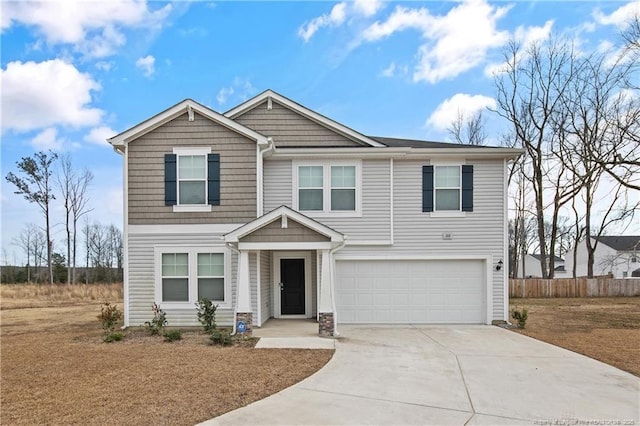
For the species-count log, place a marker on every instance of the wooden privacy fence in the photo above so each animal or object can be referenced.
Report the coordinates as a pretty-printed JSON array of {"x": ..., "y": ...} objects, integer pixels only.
[{"x": 573, "y": 287}]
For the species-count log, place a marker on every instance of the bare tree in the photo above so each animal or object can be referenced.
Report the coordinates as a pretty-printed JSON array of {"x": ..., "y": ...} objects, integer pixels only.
[
  {"x": 35, "y": 186},
  {"x": 73, "y": 188},
  {"x": 27, "y": 241},
  {"x": 528, "y": 93},
  {"x": 468, "y": 130}
]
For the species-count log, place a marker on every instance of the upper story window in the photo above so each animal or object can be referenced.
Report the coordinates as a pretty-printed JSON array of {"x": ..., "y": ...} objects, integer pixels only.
[
  {"x": 447, "y": 189},
  {"x": 192, "y": 179},
  {"x": 327, "y": 188}
]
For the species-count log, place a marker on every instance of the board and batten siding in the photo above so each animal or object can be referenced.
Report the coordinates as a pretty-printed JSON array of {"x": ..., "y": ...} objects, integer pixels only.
[
  {"x": 142, "y": 277},
  {"x": 288, "y": 128},
  {"x": 146, "y": 172},
  {"x": 376, "y": 207}
]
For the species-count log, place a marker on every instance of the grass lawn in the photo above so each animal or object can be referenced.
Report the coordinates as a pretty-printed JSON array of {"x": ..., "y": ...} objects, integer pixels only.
[
  {"x": 603, "y": 328},
  {"x": 56, "y": 369}
]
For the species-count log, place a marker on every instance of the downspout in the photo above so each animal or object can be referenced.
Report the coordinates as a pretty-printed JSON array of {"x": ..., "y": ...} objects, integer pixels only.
[
  {"x": 260, "y": 175},
  {"x": 333, "y": 293}
]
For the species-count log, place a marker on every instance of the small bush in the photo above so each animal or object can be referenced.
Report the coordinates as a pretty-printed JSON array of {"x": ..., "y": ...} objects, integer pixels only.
[
  {"x": 113, "y": 337},
  {"x": 221, "y": 337},
  {"x": 109, "y": 317},
  {"x": 172, "y": 335},
  {"x": 158, "y": 322},
  {"x": 520, "y": 316},
  {"x": 207, "y": 314}
]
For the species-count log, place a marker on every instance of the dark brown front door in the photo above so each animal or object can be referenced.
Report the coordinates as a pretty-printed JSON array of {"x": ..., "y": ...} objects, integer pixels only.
[{"x": 292, "y": 288}]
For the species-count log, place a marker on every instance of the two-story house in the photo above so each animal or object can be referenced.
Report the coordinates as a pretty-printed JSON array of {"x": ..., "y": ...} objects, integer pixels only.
[
  {"x": 273, "y": 210},
  {"x": 615, "y": 255}
]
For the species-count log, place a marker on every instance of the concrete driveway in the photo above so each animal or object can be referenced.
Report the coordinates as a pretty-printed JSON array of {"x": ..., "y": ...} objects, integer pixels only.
[{"x": 450, "y": 375}]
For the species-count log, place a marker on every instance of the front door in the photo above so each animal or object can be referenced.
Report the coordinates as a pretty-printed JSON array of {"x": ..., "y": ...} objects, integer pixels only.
[{"x": 292, "y": 300}]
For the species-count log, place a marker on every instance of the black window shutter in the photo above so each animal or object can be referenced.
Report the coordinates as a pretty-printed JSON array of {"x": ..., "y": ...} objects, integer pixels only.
[
  {"x": 213, "y": 195},
  {"x": 467, "y": 188},
  {"x": 170, "y": 180},
  {"x": 427, "y": 188}
]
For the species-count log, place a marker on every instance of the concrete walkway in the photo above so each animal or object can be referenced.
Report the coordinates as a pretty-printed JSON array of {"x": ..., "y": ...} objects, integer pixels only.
[{"x": 450, "y": 375}]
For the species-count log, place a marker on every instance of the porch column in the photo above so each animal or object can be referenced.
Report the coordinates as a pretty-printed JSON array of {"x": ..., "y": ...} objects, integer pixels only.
[
  {"x": 325, "y": 308},
  {"x": 243, "y": 303}
]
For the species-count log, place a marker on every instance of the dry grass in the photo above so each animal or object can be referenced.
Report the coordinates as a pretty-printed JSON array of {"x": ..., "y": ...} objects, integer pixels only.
[
  {"x": 605, "y": 328},
  {"x": 17, "y": 296},
  {"x": 56, "y": 370}
]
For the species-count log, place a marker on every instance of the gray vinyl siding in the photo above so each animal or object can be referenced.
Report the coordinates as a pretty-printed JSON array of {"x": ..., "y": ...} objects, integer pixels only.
[
  {"x": 146, "y": 172},
  {"x": 478, "y": 233},
  {"x": 142, "y": 278},
  {"x": 376, "y": 207},
  {"x": 265, "y": 285},
  {"x": 288, "y": 128}
]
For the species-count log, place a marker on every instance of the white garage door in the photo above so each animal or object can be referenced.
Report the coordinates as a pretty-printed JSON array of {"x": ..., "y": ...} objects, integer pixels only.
[{"x": 410, "y": 291}]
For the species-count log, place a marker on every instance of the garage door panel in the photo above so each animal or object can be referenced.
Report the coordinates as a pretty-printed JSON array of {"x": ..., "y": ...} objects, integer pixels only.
[{"x": 410, "y": 291}]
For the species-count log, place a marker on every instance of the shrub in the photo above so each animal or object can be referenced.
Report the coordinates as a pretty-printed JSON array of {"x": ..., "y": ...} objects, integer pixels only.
[
  {"x": 172, "y": 335},
  {"x": 520, "y": 316},
  {"x": 109, "y": 317},
  {"x": 207, "y": 314},
  {"x": 113, "y": 337},
  {"x": 157, "y": 323},
  {"x": 221, "y": 337}
]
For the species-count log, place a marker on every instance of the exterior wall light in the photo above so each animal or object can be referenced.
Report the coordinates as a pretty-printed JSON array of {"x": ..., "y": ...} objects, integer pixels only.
[{"x": 499, "y": 265}]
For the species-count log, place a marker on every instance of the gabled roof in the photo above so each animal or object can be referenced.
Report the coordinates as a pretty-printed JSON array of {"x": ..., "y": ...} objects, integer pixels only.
[
  {"x": 621, "y": 242},
  {"x": 187, "y": 106},
  {"x": 254, "y": 225},
  {"x": 304, "y": 111},
  {"x": 555, "y": 258}
]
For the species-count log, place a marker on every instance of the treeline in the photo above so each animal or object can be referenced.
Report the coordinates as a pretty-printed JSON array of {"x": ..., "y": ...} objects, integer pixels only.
[{"x": 89, "y": 252}]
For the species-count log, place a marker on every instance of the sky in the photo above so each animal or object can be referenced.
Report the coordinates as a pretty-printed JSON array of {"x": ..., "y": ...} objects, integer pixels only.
[{"x": 74, "y": 73}]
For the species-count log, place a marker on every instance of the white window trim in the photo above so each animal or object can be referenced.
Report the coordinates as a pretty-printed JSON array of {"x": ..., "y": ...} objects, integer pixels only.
[
  {"x": 180, "y": 151},
  {"x": 447, "y": 213},
  {"x": 192, "y": 252},
  {"x": 326, "y": 190}
]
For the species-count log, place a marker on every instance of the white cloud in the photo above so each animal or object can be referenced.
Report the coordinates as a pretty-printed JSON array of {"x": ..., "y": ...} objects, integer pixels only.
[
  {"x": 146, "y": 65},
  {"x": 525, "y": 36},
  {"x": 93, "y": 27},
  {"x": 36, "y": 95},
  {"x": 450, "y": 48},
  {"x": 619, "y": 17},
  {"x": 334, "y": 18},
  {"x": 224, "y": 94},
  {"x": 99, "y": 135},
  {"x": 367, "y": 7},
  {"x": 104, "y": 65},
  {"x": 390, "y": 70},
  {"x": 48, "y": 139},
  {"x": 462, "y": 103},
  {"x": 241, "y": 89}
]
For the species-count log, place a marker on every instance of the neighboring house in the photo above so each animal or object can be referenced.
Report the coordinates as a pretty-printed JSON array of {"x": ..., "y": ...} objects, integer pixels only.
[
  {"x": 273, "y": 210},
  {"x": 617, "y": 255},
  {"x": 529, "y": 267}
]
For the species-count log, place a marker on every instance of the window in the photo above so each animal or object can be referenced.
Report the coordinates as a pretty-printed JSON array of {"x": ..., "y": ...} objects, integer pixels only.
[
  {"x": 186, "y": 275},
  {"x": 327, "y": 188},
  {"x": 211, "y": 276},
  {"x": 192, "y": 179},
  {"x": 310, "y": 188},
  {"x": 634, "y": 258},
  {"x": 447, "y": 188},
  {"x": 343, "y": 188},
  {"x": 625, "y": 274}
]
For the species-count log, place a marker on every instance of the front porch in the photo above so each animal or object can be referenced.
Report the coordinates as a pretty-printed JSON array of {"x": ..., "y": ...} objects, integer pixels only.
[
  {"x": 285, "y": 270},
  {"x": 292, "y": 334}
]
